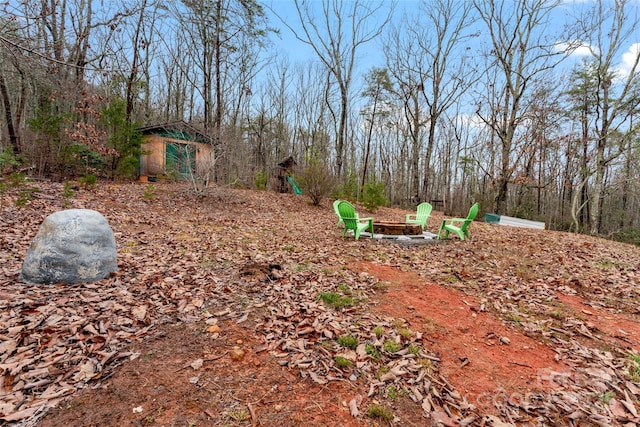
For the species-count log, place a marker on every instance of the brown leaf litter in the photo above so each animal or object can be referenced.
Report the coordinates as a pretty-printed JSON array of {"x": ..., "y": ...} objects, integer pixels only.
[{"x": 220, "y": 314}]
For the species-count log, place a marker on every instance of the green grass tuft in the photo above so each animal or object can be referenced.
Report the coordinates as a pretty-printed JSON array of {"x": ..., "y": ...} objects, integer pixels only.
[
  {"x": 336, "y": 300},
  {"x": 379, "y": 411},
  {"x": 348, "y": 341}
]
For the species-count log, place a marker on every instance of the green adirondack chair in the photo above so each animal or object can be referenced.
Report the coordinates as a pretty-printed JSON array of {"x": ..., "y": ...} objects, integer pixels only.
[
  {"x": 335, "y": 208},
  {"x": 352, "y": 221},
  {"x": 458, "y": 226},
  {"x": 423, "y": 212}
]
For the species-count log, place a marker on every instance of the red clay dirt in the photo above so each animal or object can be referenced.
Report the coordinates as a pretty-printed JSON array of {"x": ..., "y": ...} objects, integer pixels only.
[
  {"x": 161, "y": 387},
  {"x": 480, "y": 356}
]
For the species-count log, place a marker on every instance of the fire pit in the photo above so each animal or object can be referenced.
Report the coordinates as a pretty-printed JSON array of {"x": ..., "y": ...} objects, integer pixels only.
[{"x": 393, "y": 228}]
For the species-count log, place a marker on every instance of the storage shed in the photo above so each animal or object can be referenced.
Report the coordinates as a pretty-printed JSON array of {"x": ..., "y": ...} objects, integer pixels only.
[{"x": 176, "y": 149}]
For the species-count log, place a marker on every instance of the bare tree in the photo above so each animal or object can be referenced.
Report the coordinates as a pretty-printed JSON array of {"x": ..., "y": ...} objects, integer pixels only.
[
  {"x": 218, "y": 33},
  {"x": 581, "y": 99},
  {"x": 344, "y": 27},
  {"x": 407, "y": 66},
  {"x": 377, "y": 89},
  {"x": 606, "y": 29},
  {"x": 11, "y": 71},
  {"x": 521, "y": 48},
  {"x": 450, "y": 70}
]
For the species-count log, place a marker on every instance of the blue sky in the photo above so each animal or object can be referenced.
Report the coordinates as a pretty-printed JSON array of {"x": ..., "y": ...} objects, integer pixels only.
[
  {"x": 371, "y": 54},
  {"x": 298, "y": 51}
]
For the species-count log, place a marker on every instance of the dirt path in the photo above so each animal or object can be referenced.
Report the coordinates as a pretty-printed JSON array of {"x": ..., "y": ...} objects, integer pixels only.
[{"x": 480, "y": 355}]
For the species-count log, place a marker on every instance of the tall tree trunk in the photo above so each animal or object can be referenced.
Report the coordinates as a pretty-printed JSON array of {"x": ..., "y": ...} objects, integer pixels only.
[
  {"x": 342, "y": 128},
  {"x": 134, "y": 64},
  {"x": 218, "y": 72},
  {"x": 8, "y": 115},
  {"x": 415, "y": 150},
  {"x": 367, "y": 149}
]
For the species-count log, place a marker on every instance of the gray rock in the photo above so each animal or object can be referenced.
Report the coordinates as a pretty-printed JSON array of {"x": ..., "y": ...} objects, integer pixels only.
[{"x": 72, "y": 246}]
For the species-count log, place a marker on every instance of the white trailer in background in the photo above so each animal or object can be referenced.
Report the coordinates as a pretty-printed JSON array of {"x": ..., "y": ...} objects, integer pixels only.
[{"x": 513, "y": 222}]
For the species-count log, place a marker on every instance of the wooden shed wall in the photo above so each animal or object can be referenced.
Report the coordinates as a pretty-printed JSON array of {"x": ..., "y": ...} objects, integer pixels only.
[
  {"x": 152, "y": 161},
  {"x": 154, "y": 147}
]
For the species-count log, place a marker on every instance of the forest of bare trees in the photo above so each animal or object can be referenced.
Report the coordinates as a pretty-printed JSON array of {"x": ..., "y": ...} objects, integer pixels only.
[{"x": 530, "y": 107}]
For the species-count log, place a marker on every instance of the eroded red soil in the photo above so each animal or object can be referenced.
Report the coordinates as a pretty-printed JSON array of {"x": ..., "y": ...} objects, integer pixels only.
[{"x": 480, "y": 355}]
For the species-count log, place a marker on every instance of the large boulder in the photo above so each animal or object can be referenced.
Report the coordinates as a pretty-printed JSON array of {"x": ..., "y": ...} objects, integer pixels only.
[{"x": 72, "y": 246}]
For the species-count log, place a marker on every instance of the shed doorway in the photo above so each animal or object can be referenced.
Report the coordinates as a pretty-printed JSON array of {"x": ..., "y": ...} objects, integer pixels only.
[{"x": 181, "y": 159}]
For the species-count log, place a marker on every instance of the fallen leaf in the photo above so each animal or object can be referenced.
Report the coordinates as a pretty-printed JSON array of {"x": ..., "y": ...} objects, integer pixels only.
[
  {"x": 617, "y": 409},
  {"x": 354, "y": 404},
  {"x": 139, "y": 312}
]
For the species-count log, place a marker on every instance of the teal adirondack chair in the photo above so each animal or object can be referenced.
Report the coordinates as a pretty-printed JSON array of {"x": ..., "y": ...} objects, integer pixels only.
[
  {"x": 352, "y": 221},
  {"x": 458, "y": 226},
  {"x": 423, "y": 212}
]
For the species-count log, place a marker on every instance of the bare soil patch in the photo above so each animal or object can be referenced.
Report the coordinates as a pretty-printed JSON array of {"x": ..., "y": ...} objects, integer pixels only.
[
  {"x": 480, "y": 355},
  {"x": 183, "y": 376}
]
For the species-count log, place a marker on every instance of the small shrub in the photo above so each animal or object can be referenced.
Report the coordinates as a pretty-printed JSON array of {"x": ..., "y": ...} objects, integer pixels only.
[
  {"x": 25, "y": 196},
  {"x": 514, "y": 318},
  {"x": 67, "y": 194},
  {"x": 128, "y": 167},
  {"x": 345, "y": 289},
  {"x": 16, "y": 179},
  {"x": 8, "y": 159},
  {"x": 378, "y": 331},
  {"x": 237, "y": 414},
  {"x": 634, "y": 368},
  {"x": 67, "y": 191},
  {"x": 631, "y": 235},
  {"x": 316, "y": 180},
  {"x": 348, "y": 341},
  {"x": 405, "y": 333},
  {"x": 260, "y": 180},
  {"x": 88, "y": 181},
  {"x": 392, "y": 393},
  {"x": 414, "y": 349},
  {"x": 348, "y": 189},
  {"x": 606, "y": 397},
  {"x": 373, "y": 195},
  {"x": 149, "y": 193}
]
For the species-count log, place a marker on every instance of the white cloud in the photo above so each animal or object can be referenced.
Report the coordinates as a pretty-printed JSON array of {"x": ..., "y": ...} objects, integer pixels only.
[
  {"x": 629, "y": 58},
  {"x": 577, "y": 48}
]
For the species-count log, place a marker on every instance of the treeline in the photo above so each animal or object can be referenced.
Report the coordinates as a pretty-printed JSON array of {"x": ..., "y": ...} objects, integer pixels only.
[{"x": 528, "y": 107}]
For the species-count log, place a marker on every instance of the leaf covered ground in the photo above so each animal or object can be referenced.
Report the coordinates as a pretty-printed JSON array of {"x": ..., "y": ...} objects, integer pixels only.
[{"x": 249, "y": 308}]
